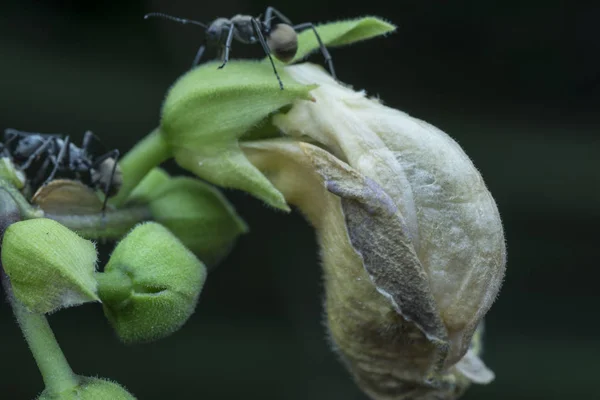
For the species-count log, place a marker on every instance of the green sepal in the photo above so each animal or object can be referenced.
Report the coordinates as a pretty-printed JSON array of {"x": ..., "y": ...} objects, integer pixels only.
[
  {"x": 149, "y": 186},
  {"x": 50, "y": 267},
  {"x": 150, "y": 285},
  {"x": 341, "y": 33},
  {"x": 90, "y": 388},
  {"x": 209, "y": 109},
  {"x": 200, "y": 216},
  {"x": 194, "y": 211}
]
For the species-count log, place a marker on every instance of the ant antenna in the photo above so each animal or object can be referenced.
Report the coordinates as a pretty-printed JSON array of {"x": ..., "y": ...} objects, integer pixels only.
[{"x": 183, "y": 21}]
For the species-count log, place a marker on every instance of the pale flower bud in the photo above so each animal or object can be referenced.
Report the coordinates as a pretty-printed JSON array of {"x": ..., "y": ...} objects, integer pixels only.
[{"x": 412, "y": 242}]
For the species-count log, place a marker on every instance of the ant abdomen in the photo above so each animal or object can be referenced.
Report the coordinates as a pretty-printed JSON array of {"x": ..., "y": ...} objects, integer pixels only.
[{"x": 283, "y": 42}]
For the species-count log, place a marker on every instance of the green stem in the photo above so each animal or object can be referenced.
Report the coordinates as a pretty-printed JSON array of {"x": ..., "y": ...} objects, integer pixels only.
[
  {"x": 56, "y": 372},
  {"x": 114, "y": 286},
  {"x": 145, "y": 155},
  {"x": 112, "y": 225}
]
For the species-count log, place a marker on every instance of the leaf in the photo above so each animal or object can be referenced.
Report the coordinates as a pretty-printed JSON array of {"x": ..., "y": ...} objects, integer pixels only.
[
  {"x": 341, "y": 33},
  {"x": 209, "y": 109}
]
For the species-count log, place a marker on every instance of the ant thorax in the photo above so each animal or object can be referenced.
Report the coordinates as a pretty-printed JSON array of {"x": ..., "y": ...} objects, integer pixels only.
[{"x": 244, "y": 31}]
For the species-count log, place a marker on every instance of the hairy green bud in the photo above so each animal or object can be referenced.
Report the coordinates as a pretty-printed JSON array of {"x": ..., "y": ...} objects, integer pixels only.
[
  {"x": 150, "y": 285},
  {"x": 50, "y": 267},
  {"x": 90, "y": 388}
]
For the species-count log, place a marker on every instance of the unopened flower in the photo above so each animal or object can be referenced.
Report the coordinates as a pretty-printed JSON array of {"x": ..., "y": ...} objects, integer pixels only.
[
  {"x": 151, "y": 284},
  {"x": 411, "y": 239},
  {"x": 50, "y": 267},
  {"x": 90, "y": 388}
]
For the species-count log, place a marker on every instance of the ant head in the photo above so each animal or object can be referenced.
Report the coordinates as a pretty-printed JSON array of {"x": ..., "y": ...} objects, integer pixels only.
[
  {"x": 10, "y": 134},
  {"x": 283, "y": 42},
  {"x": 215, "y": 31}
]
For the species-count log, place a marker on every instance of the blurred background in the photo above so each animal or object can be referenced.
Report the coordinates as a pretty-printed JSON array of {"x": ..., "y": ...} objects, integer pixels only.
[{"x": 517, "y": 84}]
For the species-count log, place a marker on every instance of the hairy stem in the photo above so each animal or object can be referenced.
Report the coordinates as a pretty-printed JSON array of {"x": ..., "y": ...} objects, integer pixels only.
[
  {"x": 145, "y": 155},
  {"x": 113, "y": 225},
  {"x": 56, "y": 372}
]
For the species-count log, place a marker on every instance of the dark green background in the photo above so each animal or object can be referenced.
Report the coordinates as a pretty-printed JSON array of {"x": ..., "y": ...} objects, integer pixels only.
[{"x": 516, "y": 83}]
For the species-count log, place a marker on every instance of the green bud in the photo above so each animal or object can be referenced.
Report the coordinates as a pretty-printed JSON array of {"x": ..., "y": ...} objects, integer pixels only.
[
  {"x": 50, "y": 267},
  {"x": 150, "y": 285},
  {"x": 90, "y": 388},
  {"x": 199, "y": 215}
]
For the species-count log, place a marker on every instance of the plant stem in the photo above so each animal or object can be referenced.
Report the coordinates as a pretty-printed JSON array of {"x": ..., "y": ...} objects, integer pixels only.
[
  {"x": 145, "y": 155},
  {"x": 56, "y": 372},
  {"x": 113, "y": 225}
]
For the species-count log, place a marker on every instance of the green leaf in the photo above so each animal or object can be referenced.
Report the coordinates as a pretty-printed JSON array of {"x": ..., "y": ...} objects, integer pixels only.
[
  {"x": 49, "y": 266},
  {"x": 209, "y": 109},
  {"x": 341, "y": 33}
]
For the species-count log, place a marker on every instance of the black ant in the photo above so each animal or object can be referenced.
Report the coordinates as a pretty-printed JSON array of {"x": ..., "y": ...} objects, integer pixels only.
[
  {"x": 35, "y": 153},
  {"x": 281, "y": 39}
]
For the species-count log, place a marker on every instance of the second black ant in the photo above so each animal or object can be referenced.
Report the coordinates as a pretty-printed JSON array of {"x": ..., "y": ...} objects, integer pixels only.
[{"x": 42, "y": 157}]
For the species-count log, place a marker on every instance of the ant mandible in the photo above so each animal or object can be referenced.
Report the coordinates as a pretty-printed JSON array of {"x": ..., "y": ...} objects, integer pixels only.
[{"x": 281, "y": 39}]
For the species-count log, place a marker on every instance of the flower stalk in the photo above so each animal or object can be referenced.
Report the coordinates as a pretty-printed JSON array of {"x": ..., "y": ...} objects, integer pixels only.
[
  {"x": 135, "y": 165},
  {"x": 55, "y": 370}
]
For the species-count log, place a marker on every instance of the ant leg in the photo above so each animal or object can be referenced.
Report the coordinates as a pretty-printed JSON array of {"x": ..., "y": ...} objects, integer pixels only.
[
  {"x": 36, "y": 154},
  {"x": 97, "y": 162},
  {"x": 13, "y": 133},
  {"x": 87, "y": 140},
  {"x": 324, "y": 50},
  {"x": 115, "y": 156},
  {"x": 262, "y": 41},
  {"x": 269, "y": 16},
  {"x": 59, "y": 159},
  {"x": 228, "y": 45},
  {"x": 198, "y": 55},
  {"x": 40, "y": 175}
]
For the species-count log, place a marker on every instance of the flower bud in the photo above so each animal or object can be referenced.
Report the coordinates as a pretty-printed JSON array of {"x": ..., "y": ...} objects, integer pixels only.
[
  {"x": 200, "y": 216},
  {"x": 197, "y": 213},
  {"x": 150, "y": 285},
  {"x": 413, "y": 247},
  {"x": 50, "y": 267},
  {"x": 90, "y": 389}
]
